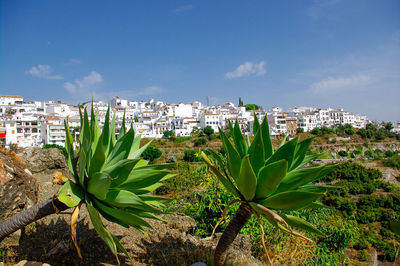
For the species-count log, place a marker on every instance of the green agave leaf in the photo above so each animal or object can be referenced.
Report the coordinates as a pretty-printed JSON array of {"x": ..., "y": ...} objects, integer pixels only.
[
  {"x": 307, "y": 159},
  {"x": 247, "y": 181},
  {"x": 70, "y": 152},
  {"x": 106, "y": 132},
  {"x": 234, "y": 160},
  {"x": 121, "y": 149},
  {"x": 99, "y": 184},
  {"x": 82, "y": 167},
  {"x": 224, "y": 180},
  {"x": 256, "y": 124},
  {"x": 317, "y": 189},
  {"x": 122, "y": 131},
  {"x": 135, "y": 154},
  {"x": 270, "y": 177},
  {"x": 300, "y": 153},
  {"x": 283, "y": 141},
  {"x": 135, "y": 144},
  {"x": 238, "y": 139},
  {"x": 285, "y": 152},
  {"x": 119, "y": 245},
  {"x": 231, "y": 130},
  {"x": 301, "y": 177},
  {"x": 98, "y": 158},
  {"x": 256, "y": 152},
  {"x": 140, "y": 178},
  {"x": 290, "y": 200},
  {"x": 112, "y": 132},
  {"x": 98, "y": 226},
  {"x": 145, "y": 190},
  {"x": 121, "y": 170},
  {"x": 299, "y": 223},
  {"x": 268, "y": 148},
  {"x": 123, "y": 198},
  {"x": 70, "y": 194},
  {"x": 124, "y": 216},
  {"x": 94, "y": 129},
  {"x": 85, "y": 133}
]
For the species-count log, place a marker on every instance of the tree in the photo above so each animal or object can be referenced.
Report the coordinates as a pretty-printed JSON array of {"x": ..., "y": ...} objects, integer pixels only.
[
  {"x": 151, "y": 153},
  {"x": 208, "y": 130},
  {"x": 240, "y": 101},
  {"x": 252, "y": 107},
  {"x": 105, "y": 172},
  {"x": 300, "y": 130},
  {"x": 168, "y": 134},
  {"x": 343, "y": 153},
  {"x": 267, "y": 183}
]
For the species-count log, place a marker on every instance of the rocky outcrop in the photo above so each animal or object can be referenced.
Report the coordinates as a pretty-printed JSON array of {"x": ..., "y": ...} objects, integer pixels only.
[
  {"x": 18, "y": 188},
  {"x": 40, "y": 160}
]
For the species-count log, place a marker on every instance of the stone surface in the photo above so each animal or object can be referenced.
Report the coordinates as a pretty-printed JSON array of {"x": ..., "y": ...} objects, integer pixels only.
[
  {"x": 18, "y": 189},
  {"x": 40, "y": 160}
]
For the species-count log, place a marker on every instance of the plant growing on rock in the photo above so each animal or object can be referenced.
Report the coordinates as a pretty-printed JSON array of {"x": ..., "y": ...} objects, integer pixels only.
[
  {"x": 108, "y": 177},
  {"x": 267, "y": 183}
]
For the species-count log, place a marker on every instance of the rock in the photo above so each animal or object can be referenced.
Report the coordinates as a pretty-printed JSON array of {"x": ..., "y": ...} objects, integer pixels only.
[
  {"x": 18, "y": 189},
  {"x": 40, "y": 160}
]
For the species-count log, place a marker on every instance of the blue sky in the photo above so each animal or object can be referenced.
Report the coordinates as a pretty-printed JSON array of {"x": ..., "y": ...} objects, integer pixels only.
[{"x": 331, "y": 53}]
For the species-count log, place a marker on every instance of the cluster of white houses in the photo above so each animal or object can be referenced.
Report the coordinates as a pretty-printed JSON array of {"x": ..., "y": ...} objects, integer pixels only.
[{"x": 35, "y": 123}]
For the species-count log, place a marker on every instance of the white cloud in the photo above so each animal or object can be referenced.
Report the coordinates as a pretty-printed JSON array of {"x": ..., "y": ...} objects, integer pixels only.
[
  {"x": 151, "y": 90},
  {"x": 247, "y": 69},
  {"x": 182, "y": 9},
  {"x": 70, "y": 87},
  {"x": 331, "y": 84},
  {"x": 42, "y": 71},
  {"x": 86, "y": 83}
]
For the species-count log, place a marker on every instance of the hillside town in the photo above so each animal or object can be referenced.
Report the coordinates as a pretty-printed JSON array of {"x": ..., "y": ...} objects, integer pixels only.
[{"x": 35, "y": 123}]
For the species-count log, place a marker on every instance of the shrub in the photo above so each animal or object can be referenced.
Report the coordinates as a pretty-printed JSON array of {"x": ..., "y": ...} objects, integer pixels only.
[
  {"x": 343, "y": 153},
  {"x": 151, "y": 153},
  {"x": 394, "y": 161},
  {"x": 190, "y": 156},
  {"x": 389, "y": 153},
  {"x": 199, "y": 142},
  {"x": 168, "y": 133},
  {"x": 208, "y": 130},
  {"x": 364, "y": 255}
]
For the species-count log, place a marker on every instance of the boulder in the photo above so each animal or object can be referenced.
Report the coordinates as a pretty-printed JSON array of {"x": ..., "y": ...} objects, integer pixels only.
[
  {"x": 40, "y": 160},
  {"x": 18, "y": 188}
]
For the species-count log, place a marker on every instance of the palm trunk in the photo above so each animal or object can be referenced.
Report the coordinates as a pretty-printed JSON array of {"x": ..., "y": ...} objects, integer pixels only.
[
  {"x": 30, "y": 215},
  {"x": 242, "y": 215}
]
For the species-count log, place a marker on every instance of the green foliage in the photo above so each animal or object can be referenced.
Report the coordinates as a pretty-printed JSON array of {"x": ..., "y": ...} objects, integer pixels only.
[
  {"x": 389, "y": 153},
  {"x": 373, "y": 132},
  {"x": 168, "y": 134},
  {"x": 184, "y": 182},
  {"x": 240, "y": 102},
  {"x": 151, "y": 153},
  {"x": 322, "y": 131},
  {"x": 61, "y": 148},
  {"x": 199, "y": 141},
  {"x": 393, "y": 161},
  {"x": 300, "y": 130},
  {"x": 208, "y": 130},
  {"x": 251, "y": 106},
  {"x": 110, "y": 178},
  {"x": 343, "y": 153},
  {"x": 190, "y": 156},
  {"x": 182, "y": 139}
]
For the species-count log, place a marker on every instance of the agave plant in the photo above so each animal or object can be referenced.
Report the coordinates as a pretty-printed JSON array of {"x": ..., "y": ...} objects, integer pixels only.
[
  {"x": 108, "y": 177},
  {"x": 267, "y": 183}
]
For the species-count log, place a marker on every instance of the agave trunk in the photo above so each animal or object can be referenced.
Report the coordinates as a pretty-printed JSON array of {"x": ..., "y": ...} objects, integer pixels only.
[
  {"x": 242, "y": 215},
  {"x": 30, "y": 215}
]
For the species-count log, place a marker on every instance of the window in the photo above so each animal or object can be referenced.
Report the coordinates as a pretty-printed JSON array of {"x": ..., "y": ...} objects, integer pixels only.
[{"x": 19, "y": 130}]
